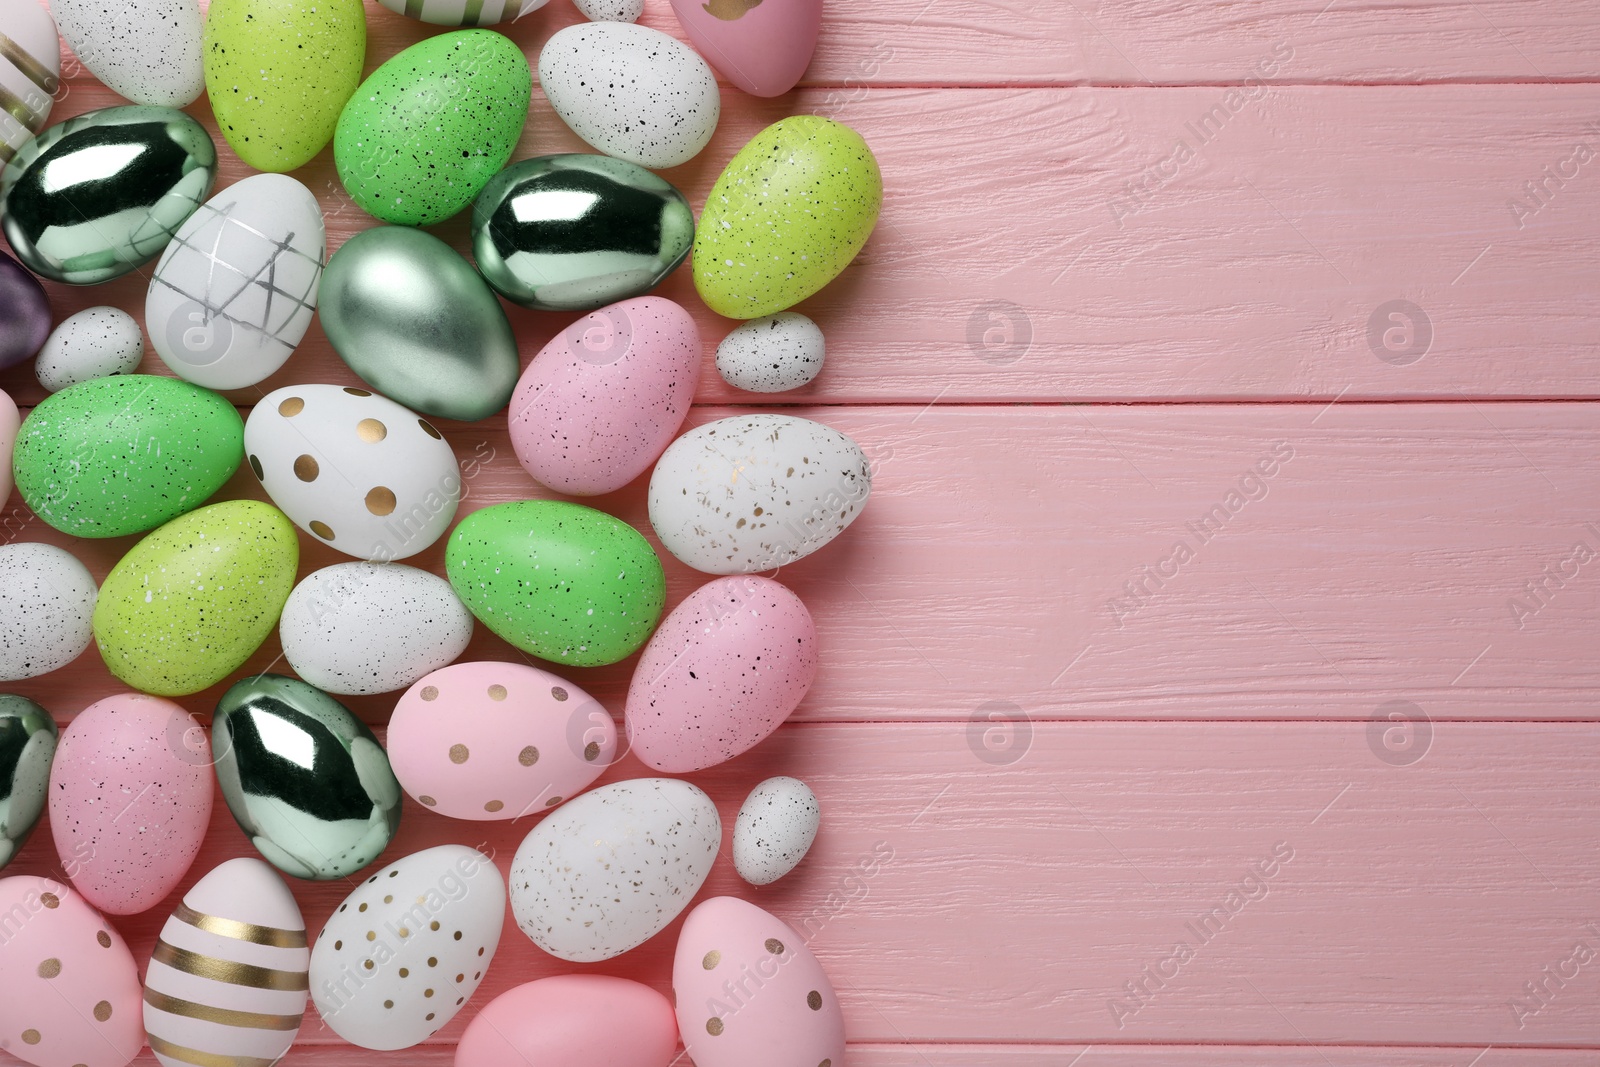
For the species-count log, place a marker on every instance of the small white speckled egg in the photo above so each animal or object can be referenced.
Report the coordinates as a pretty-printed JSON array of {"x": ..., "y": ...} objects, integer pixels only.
[
  {"x": 774, "y": 830},
  {"x": 631, "y": 91},
  {"x": 610, "y": 10},
  {"x": 145, "y": 50},
  {"x": 94, "y": 343},
  {"x": 408, "y": 947},
  {"x": 772, "y": 354},
  {"x": 47, "y": 599},
  {"x": 611, "y": 869},
  {"x": 357, "y": 628},
  {"x": 754, "y": 492}
]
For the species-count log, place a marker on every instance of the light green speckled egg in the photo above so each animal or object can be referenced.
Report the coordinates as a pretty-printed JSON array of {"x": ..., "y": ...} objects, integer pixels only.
[
  {"x": 190, "y": 603},
  {"x": 278, "y": 73},
  {"x": 789, "y": 213}
]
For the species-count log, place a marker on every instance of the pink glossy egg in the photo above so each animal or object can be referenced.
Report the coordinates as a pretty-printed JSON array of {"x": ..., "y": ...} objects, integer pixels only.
[
  {"x": 71, "y": 985},
  {"x": 725, "y": 668},
  {"x": 10, "y": 422},
  {"x": 601, "y": 402},
  {"x": 749, "y": 991},
  {"x": 762, "y": 46},
  {"x": 572, "y": 1020},
  {"x": 130, "y": 797},
  {"x": 497, "y": 740}
]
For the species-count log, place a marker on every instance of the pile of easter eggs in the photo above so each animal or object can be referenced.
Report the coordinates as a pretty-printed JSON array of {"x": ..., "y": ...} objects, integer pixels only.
[{"x": 237, "y": 277}]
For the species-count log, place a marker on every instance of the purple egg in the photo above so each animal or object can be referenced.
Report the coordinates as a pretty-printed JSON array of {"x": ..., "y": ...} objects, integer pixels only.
[{"x": 24, "y": 313}]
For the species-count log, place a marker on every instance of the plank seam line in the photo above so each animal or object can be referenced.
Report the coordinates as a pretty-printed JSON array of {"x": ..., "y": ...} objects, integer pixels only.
[{"x": 1303, "y": 83}]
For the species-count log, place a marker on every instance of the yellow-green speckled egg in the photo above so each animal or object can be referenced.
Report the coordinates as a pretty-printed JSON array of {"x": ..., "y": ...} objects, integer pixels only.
[
  {"x": 279, "y": 72},
  {"x": 789, "y": 213},
  {"x": 190, "y": 603}
]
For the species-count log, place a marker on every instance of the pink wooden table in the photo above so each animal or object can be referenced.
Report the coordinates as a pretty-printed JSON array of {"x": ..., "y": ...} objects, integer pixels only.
[{"x": 1172, "y": 514}]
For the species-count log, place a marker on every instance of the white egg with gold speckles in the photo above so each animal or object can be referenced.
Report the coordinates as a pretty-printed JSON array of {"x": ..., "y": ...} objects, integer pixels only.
[
  {"x": 228, "y": 979},
  {"x": 30, "y": 74},
  {"x": 353, "y": 469}
]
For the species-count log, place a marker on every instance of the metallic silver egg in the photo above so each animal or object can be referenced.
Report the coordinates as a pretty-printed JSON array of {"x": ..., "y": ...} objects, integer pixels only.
[{"x": 27, "y": 748}]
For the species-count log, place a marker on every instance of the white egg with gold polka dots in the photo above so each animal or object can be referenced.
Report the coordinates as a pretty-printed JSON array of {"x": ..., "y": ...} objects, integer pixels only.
[
  {"x": 354, "y": 469},
  {"x": 71, "y": 988},
  {"x": 407, "y": 949}
]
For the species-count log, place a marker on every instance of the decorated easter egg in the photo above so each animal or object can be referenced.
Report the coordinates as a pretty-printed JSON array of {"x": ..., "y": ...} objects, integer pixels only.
[
  {"x": 749, "y": 990},
  {"x": 761, "y": 48},
  {"x": 754, "y": 492},
  {"x": 771, "y": 354},
  {"x": 130, "y": 797},
  {"x": 279, "y": 73},
  {"x": 372, "y": 627},
  {"x": 774, "y": 830},
  {"x": 24, "y": 311},
  {"x": 10, "y": 423},
  {"x": 418, "y": 324},
  {"x": 95, "y": 343},
  {"x": 227, "y": 981},
  {"x": 498, "y": 740},
  {"x": 72, "y": 987},
  {"x": 101, "y": 194},
  {"x": 428, "y": 129},
  {"x": 355, "y": 470},
  {"x": 464, "y": 12},
  {"x": 189, "y": 603},
  {"x": 235, "y": 290},
  {"x": 599, "y": 403},
  {"x": 631, "y": 91},
  {"x": 789, "y": 213},
  {"x": 558, "y": 580},
  {"x": 575, "y": 232},
  {"x": 574, "y": 1020},
  {"x": 121, "y": 455},
  {"x": 408, "y": 947},
  {"x": 47, "y": 599},
  {"x": 305, "y": 779},
  {"x": 30, "y": 74},
  {"x": 145, "y": 50},
  {"x": 611, "y": 869},
  {"x": 27, "y": 746},
  {"x": 723, "y": 671},
  {"x": 610, "y": 10}
]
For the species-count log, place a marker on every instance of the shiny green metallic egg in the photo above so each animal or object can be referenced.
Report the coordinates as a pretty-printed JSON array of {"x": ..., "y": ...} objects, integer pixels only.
[
  {"x": 577, "y": 232},
  {"x": 27, "y": 747}
]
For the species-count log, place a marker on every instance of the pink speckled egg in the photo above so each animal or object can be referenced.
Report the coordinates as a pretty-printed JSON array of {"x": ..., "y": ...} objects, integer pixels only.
[
  {"x": 130, "y": 797},
  {"x": 10, "y": 423},
  {"x": 725, "y": 668},
  {"x": 601, "y": 402},
  {"x": 750, "y": 991},
  {"x": 497, "y": 740},
  {"x": 572, "y": 1020},
  {"x": 71, "y": 986}
]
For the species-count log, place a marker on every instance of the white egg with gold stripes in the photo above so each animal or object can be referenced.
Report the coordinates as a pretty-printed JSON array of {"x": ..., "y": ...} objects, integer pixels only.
[
  {"x": 464, "y": 12},
  {"x": 227, "y": 983},
  {"x": 30, "y": 74}
]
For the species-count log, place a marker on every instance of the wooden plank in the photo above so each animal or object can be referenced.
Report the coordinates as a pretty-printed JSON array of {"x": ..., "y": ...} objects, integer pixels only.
[
  {"x": 1344, "y": 899},
  {"x": 1388, "y": 558}
]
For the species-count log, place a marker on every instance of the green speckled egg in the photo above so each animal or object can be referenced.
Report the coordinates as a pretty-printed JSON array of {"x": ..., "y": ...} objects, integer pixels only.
[
  {"x": 789, "y": 213},
  {"x": 278, "y": 73},
  {"x": 558, "y": 580},
  {"x": 124, "y": 454},
  {"x": 190, "y": 603},
  {"x": 425, "y": 133}
]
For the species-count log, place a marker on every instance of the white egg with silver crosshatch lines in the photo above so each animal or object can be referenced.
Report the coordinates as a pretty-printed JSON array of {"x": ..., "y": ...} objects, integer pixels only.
[
  {"x": 234, "y": 292},
  {"x": 353, "y": 469}
]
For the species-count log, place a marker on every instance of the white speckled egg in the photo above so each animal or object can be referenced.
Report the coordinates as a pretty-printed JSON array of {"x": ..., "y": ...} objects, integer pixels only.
[
  {"x": 464, "y": 12},
  {"x": 47, "y": 599},
  {"x": 30, "y": 73},
  {"x": 357, "y": 628},
  {"x": 610, "y": 10},
  {"x": 355, "y": 470},
  {"x": 611, "y": 869},
  {"x": 631, "y": 91},
  {"x": 94, "y": 343},
  {"x": 145, "y": 50},
  {"x": 774, "y": 830},
  {"x": 772, "y": 354},
  {"x": 227, "y": 982},
  {"x": 234, "y": 292},
  {"x": 754, "y": 492},
  {"x": 408, "y": 947}
]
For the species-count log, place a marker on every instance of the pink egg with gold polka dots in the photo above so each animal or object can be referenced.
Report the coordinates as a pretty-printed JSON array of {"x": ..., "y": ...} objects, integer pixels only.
[
  {"x": 71, "y": 986},
  {"x": 498, "y": 740}
]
